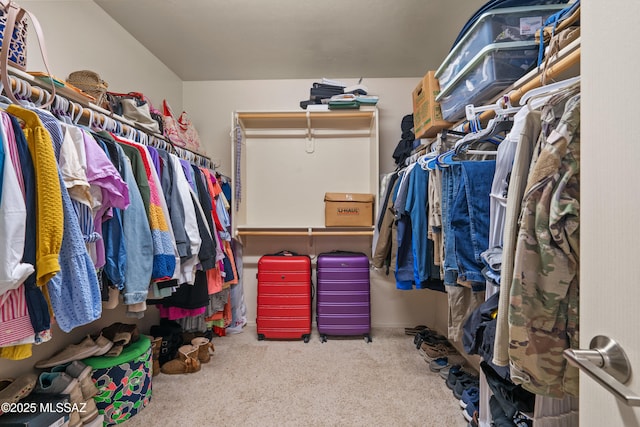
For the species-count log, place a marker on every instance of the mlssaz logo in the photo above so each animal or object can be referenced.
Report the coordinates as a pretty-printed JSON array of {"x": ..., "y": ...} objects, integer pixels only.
[{"x": 348, "y": 211}]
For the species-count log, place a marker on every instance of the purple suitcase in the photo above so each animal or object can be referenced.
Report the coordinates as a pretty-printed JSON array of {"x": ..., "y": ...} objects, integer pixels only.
[{"x": 343, "y": 304}]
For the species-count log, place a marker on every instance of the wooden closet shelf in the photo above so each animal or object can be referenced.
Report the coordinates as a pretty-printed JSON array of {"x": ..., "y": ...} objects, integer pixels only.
[
  {"x": 305, "y": 232},
  {"x": 303, "y": 114},
  {"x": 335, "y": 120}
]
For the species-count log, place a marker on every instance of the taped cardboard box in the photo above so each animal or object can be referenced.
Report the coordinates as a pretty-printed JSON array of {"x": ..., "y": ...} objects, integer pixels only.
[
  {"x": 427, "y": 115},
  {"x": 348, "y": 210}
]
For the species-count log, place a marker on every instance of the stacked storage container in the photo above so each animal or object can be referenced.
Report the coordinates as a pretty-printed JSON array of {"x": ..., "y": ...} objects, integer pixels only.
[{"x": 496, "y": 51}]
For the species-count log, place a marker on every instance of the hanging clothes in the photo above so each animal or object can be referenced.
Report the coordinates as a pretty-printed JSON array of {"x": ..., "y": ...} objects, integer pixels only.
[
  {"x": 49, "y": 215},
  {"x": 543, "y": 316},
  {"x": 165, "y": 253},
  {"x": 74, "y": 292}
]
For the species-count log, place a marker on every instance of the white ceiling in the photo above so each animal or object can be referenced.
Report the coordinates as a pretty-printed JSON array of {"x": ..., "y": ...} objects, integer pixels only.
[{"x": 291, "y": 39}]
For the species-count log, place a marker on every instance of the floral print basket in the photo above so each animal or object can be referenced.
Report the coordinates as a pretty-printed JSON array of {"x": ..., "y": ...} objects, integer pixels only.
[{"x": 125, "y": 388}]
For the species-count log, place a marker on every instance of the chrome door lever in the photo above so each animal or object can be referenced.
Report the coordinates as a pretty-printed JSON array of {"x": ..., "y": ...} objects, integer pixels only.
[{"x": 607, "y": 364}]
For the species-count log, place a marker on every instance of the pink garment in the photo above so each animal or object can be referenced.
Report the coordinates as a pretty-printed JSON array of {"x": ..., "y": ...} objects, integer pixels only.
[
  {"x": 175, "y": 313},
  {"x": 14, "y": 317},
  {"x": 107, "y": 187}
]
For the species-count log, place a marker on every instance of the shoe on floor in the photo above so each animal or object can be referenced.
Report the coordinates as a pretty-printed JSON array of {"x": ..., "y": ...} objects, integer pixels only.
[
  {"x": 121, "y": 333},
  {"x": 444, "y": 372},
  {"x": 437, "y": 364},
  {"x": 431, "y": 352},
  {"x": 104, "y": 344},
  {"x": 86, "y": 348},
  {"x": 203, "y": 345},
  {"x": 82, "y": 373},
  {"x": 463, "y": 383},
  {"x": 470, "y": 412},
  {"x": 62, "y": 383},
  {"x": 454, "y": 373},
  {"x": 186, "y": 363},
  {"x": 416, "y": 329},
  {"x": 429, "y": 337},
  {"x": 470, "y": 395},
  {"x": 12, "y": 390}
]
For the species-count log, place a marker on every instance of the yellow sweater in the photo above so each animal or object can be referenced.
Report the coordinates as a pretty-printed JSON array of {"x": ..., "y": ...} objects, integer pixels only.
[{"x": 49, "y": 216}]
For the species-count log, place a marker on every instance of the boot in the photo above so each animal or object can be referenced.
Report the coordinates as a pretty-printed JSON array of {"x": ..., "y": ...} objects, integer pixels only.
[
  {"x": 187, "y": 361},
  {"x": 203, "y": 345},
  {"x": 156, "y": 344}
]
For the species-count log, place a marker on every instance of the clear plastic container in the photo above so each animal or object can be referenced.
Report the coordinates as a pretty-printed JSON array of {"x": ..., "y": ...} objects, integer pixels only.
[
  {"x": 494, "y": 68},
  {"x": 516, "y": 24}
]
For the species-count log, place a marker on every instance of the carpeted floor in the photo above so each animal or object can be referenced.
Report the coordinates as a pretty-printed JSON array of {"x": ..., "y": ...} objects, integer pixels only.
[{"x": 343, "y": 382}]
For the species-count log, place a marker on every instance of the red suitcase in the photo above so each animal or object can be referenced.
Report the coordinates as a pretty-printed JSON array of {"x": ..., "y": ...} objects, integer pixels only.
[{"x": 284, "y": 297}]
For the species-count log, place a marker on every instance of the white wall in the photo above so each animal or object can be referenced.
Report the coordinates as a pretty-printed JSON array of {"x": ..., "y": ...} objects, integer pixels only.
[
  {"x": 79, "y": 35},
  {"x": 211, "y": 105}
]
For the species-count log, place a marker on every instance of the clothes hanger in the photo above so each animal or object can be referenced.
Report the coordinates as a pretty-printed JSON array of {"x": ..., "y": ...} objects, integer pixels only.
[
  {"x": 80, "y": 109},
  {"x": 423, "y": 160},
  {"x": 492, "y": 134},
  {"x": 548, "y": 89}
]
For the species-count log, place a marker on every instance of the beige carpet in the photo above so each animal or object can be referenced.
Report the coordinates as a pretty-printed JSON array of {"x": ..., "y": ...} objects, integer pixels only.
[{"x": 343, "y": 382}]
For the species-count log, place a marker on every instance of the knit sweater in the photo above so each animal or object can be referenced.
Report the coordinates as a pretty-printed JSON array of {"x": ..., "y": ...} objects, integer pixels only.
[{"x": 49, "y": 216}]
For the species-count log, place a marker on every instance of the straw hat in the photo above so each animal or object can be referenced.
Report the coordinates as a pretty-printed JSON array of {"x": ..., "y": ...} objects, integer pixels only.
[{"x": 90, "y": 83}]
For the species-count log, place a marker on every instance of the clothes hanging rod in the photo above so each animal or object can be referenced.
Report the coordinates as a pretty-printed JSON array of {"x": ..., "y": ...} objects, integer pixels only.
[
  {"x": 37, "y": 92},
  {"x": 304, "y": 233}
]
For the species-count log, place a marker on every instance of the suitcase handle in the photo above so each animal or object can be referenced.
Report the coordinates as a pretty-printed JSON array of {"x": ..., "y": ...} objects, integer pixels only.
[
  {"x": 337, "y": 252},
  {"x": 285, "y": 253}
]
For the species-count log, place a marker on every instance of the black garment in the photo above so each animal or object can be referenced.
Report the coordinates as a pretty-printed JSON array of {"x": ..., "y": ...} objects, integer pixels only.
[
  {"x": 511, "y": 398},
  {"x": 473, "y": 328},
  {"x": 207, "y": 254},
  {"x": 203, "y": 196},
  {"x": 190, "y": 297},
  {"x": 406, "y": 144},
  {"x": 498, "y": 416}
]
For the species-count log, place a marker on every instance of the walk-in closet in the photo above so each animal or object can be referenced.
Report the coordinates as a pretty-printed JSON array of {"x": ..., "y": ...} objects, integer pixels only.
[{"x": 339, "y": 213}]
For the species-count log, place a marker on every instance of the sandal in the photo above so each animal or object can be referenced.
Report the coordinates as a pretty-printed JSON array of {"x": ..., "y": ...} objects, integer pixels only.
[{"x": 415, "y": 329}]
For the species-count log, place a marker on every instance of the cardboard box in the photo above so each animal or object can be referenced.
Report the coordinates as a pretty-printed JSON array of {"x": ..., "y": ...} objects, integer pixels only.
[
  {"x": 348, "y": 210},
  {"x": 427, "y": 115}
]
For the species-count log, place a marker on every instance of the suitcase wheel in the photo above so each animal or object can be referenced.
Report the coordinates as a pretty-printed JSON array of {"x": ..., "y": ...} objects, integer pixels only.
[
  {"x": 367, "y": 339},
  {"x": 306, "y": 338},
  {"x": 260, "y": 337},
  {"x": 323, "y": 338}
]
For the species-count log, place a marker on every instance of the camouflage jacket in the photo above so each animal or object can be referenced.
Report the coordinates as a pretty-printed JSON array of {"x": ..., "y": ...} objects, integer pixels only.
[{"x": 543, "y": 313}]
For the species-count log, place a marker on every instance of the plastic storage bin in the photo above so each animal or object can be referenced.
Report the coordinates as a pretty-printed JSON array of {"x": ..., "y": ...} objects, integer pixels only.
[
  {"x": 516, "y": 24},
  {"x": 495, "y": 68}
]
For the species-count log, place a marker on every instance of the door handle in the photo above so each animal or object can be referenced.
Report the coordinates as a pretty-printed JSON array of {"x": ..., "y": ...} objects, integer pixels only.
[{"x": 607, "y": 363}]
